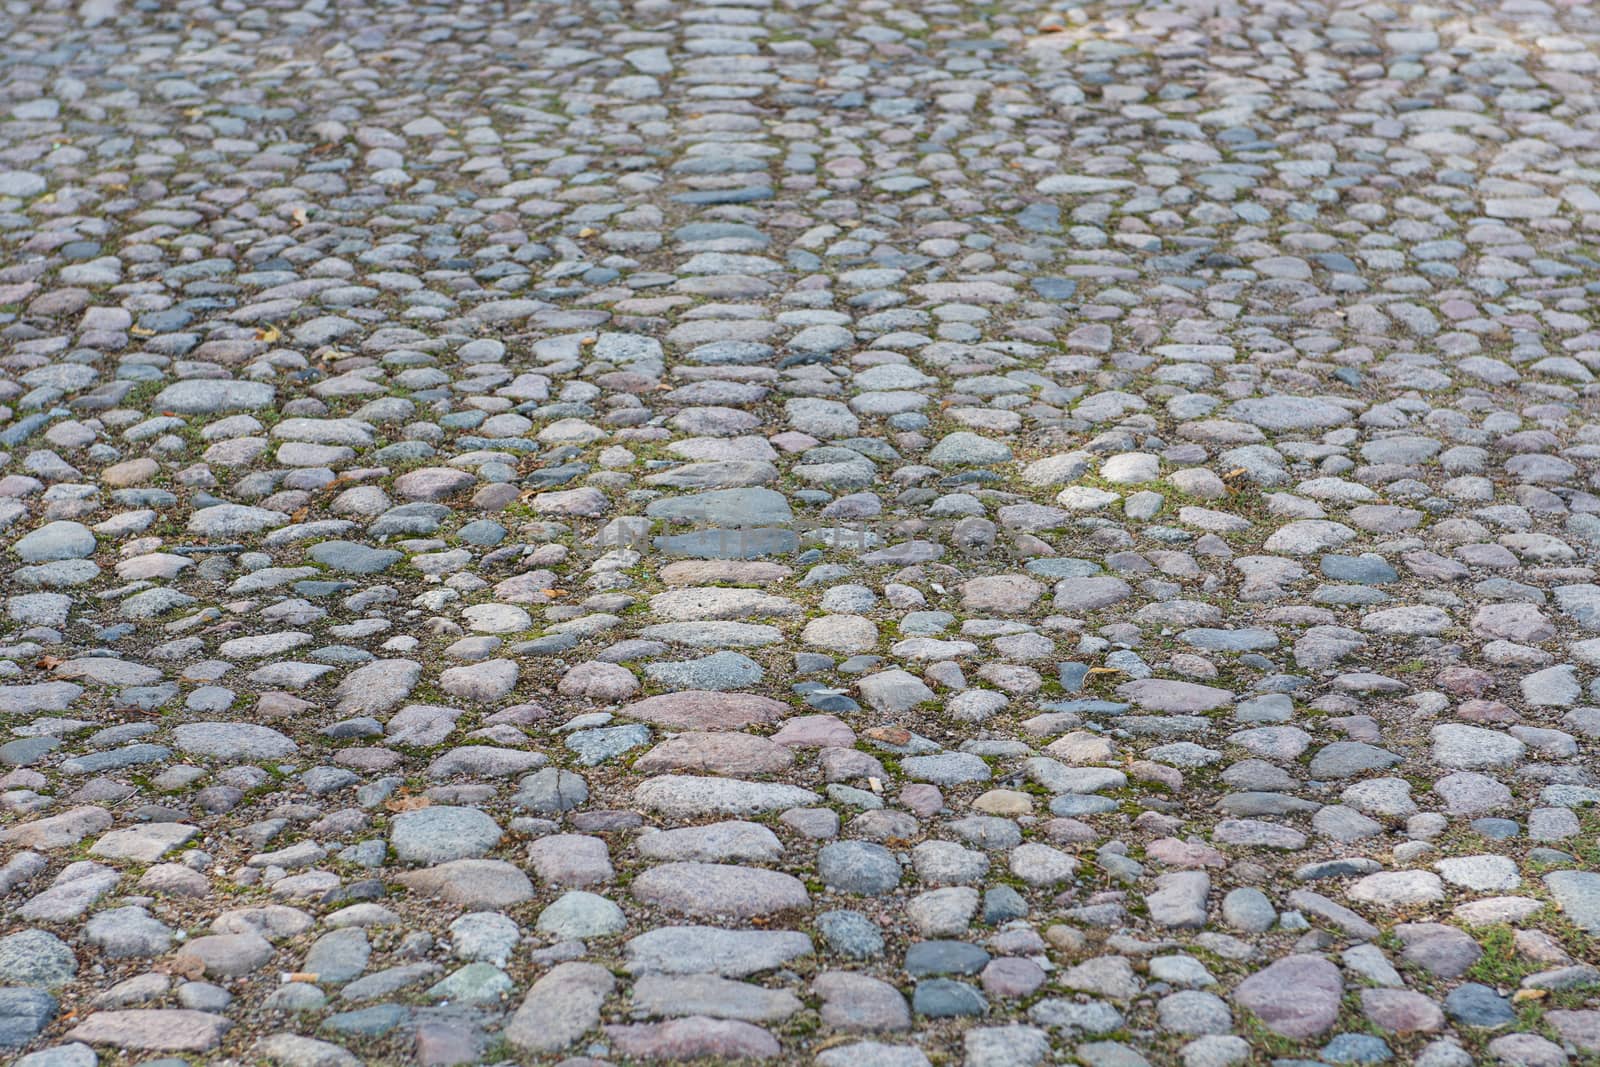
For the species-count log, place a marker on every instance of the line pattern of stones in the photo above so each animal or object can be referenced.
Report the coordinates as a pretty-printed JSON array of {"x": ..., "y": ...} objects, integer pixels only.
[{"x": 809, "y": 530}]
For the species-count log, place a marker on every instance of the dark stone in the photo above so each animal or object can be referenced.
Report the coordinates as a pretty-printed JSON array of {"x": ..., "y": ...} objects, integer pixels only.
[
  {"x": 1478, "y": 1005},
  {"x": 945, "y": 957},
  {"x": 944, "y": 998}
]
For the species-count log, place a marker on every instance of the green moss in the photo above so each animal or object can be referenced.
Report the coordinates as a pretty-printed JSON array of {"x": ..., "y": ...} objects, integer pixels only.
[{"x": 1500, "y": 964}]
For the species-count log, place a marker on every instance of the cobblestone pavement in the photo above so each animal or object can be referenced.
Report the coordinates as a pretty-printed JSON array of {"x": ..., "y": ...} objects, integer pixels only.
[{"x": 815, "y": 531}]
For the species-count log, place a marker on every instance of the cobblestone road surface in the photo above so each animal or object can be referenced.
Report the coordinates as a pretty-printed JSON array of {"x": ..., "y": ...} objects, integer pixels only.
[{"x": 840, "y": 533}]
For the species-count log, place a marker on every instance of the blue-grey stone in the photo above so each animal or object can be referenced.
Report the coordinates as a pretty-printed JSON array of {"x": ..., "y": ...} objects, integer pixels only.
[
  {"x": 1497, "y": 829},
  {"x": 1075, "y": 805},
  {"x": 1040, "y": 217},
  {"x": 1363, "y": 570},
  {"x": 1001, "y": 904},
  {"x": 352, "y": 558},
  {"x": 945, "y": 957},
  {"x": 1216, "y": 640},
  {"x": 368, "y": 1022},
  {"x": 751, "y": 543},
  {"x": 1473, "y": 1004},
  {"x": 851, "y": 934},
  {"x": 860, "y": 867},
  {"x": 56, "y": 541},
  {"x": 597, "y": 746},
  {"x": 24, "y": 1013},
  {"x": 419, "y": 519},
  {"x": 482, "y": 532},
  {"x": 719, "y": 671},
  {"x": 1357, "y": 1048},
  {"x": 37, "y": 958},
  {"x": 944, "y": 998}
]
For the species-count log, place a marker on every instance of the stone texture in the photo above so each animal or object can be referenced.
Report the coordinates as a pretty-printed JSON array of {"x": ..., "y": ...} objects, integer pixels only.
[{"x": 739, "y": 530}]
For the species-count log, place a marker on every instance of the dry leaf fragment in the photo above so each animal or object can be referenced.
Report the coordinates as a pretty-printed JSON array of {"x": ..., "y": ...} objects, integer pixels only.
[
  {"x": 300, "y": 976},
  {"x": 140, "y": 331},
  {"x": 268, "y": 334},
  {"x": 407, "y": 803},
  {"x": 1529, "y": 994},
  {"x": 184, "y": 966},
  {"x": 835, "y": 1041}
]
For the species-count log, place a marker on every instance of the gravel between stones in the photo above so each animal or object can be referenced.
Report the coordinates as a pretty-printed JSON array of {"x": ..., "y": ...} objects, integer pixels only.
[{"x": 806, "y": 531}]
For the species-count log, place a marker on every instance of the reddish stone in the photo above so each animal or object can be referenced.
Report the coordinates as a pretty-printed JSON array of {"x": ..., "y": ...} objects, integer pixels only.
[
  {"x": 1580, "y": 1028},
  {"x": 1175, "y": 853},
  {"x": 718, "y": 753},
  {"x": 849, "y": 765},
  {"x": 571, "y": 860},
  {"x": 60, "y": 302},
  {"x": 496, "y": 497},
  {"x": 1358, "y": 727},
  {"x": 1486, "y": 711},
  {"x": 718, "y": 889},
  {"x": 714, "y": 571},
  {"x": 604, "y": 821},
  {"x": 1297, "y": 997},
  {"x": 793, "y": 441},
  {"x": 860, "y": 1003},
  {"x": 1065, "y": 831},
  {"x": 1400, "y": 1011},
  {"x": 693, "y": 709},
  {"x": 922, "y": 800},
  {"x": 1011, "y": 976},
  {"x": 279, "y": 705},
  {"x": 367, "y": 759},
  {"x": 519, "y": 715},
  {"x": 1464, "y": 681},
  {"x": 1441, "y": 950},
  {"x": 1527, "y": 1050},
  {"x": 432, "y": 483},
  {"x": 1150, "y": 771},
  {"x": 815, "y": 731},
  {"x": 1154, "y": 822},
  {"x": 622, "y": 381},
  {"x": 692, "y": 1038},
  {"x": 152, "y": 1030},
  {"x": 444, "y": 1045}
]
